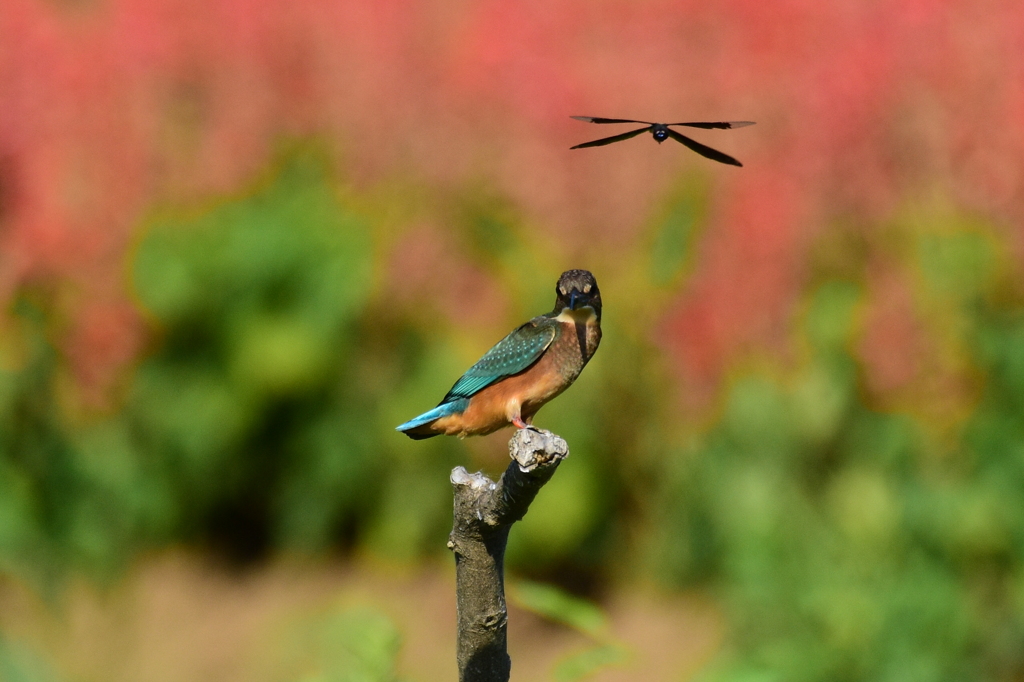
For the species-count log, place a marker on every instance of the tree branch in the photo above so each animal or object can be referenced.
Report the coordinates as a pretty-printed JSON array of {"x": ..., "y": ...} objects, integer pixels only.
[{"x": 484, "y": 514}]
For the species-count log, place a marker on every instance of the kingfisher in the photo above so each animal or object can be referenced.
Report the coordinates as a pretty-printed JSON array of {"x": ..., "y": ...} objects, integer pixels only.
[{"x": 523, "y": 371}]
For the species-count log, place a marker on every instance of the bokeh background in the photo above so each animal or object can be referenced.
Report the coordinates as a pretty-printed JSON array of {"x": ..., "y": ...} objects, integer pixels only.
[{"x": 241, "y": 241}]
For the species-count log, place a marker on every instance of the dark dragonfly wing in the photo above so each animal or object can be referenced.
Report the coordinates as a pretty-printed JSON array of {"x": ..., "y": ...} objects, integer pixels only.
[
  {"x": 598, "y": 119},
  {"x": 703, "y": 150},
  {"x": 511, "y": 355},
  {"x": 723, "y": 125},
  {"x": 614, "y": 138}
]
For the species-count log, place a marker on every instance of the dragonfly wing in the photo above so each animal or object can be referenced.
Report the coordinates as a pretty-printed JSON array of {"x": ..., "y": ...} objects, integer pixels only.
[
  {"x": 703, "y": 150},
  {"x": 614, "y": 138},
  {"x": 724, "y": 125},
  {"x": 598, "y": 119}
]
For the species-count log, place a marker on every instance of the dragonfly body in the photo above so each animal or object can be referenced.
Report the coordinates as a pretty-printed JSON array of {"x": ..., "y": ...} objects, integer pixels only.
[
  {"x": 659, "y": 132},
  {"x": 663, "y": 131}
]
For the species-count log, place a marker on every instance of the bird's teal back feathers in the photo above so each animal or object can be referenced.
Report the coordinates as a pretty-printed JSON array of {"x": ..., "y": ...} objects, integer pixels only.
[{"x": 513, "y": 354}]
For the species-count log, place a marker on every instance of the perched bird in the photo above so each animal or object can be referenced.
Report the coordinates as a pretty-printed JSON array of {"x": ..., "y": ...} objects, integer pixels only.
[
  {"x": 662, "y": 132},
  {"x": 523, "y": 371}
]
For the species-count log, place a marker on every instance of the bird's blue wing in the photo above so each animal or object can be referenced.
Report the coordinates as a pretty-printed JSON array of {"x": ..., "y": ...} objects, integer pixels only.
[{"x": 511, "y": 355}]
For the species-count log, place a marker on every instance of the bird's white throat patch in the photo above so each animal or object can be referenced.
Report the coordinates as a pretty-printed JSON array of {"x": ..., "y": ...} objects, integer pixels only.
[{"x": 586, "y": 315}]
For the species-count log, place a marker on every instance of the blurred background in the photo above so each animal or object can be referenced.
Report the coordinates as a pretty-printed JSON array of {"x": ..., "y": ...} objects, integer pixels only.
[{"x": 241, "y": 241}]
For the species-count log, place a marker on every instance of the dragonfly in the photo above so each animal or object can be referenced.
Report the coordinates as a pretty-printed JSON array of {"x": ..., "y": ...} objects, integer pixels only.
[{"x": 662, "y": 132}]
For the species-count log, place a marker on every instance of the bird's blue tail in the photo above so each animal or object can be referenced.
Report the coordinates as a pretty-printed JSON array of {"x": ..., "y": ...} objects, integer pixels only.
[{"x": 442, "y": 410}]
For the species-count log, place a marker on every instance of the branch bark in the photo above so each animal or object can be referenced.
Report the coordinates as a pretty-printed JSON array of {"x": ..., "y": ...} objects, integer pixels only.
[{"x": 484, "y": 514}]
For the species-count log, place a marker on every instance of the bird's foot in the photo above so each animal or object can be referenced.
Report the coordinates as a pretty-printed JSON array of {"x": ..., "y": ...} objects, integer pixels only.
[{"x": 520, "y": 424}]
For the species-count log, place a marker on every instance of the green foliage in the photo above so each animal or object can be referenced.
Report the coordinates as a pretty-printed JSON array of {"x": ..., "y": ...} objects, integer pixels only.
[
  {"x": 18, "y": 664},
  {"x": 68, "y": 494},
  {"x": 345, "y": 644},
  {"x": 252, "y": 398},
  {"x": 580, "y": 615},
  {"x": 847, "y": 539},
  {"x": 248, "y": 426},
  {"x": 589, "y": 662},
  {"x": 852, "y": 544},
  {"x": 561, "y": 607},
  {"x": 560, "y": 519}
]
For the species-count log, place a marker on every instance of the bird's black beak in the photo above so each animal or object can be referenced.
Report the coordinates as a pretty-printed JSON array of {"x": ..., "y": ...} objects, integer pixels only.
[{"x": 577, "y": 299}]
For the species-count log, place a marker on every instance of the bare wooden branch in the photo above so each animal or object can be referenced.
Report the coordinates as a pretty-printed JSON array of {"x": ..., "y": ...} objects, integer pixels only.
[{"x": 484, "y": 513}]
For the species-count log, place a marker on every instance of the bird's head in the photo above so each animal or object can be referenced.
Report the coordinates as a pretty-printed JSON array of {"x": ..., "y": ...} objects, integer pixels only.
[{"x": 576, "y": 290}]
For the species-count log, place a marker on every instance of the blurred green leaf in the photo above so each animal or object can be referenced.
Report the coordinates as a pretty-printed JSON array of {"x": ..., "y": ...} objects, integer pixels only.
[
  {"x": 560, "y": 518},
  {"x": 18, "y": 664},
  {"x": 586, "y": 663},
  {"x": 561, "y": 607},
  {"x": 354, "y": 644},
  {"x": 865, "y": 507},
  {"x": 278, "y": 356},
  {"x": 758, "y": 418},
  {"x": 957, "y": 264},
  {"x": 830, "y": 315},
  {"x": 821, "y": 399}
]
